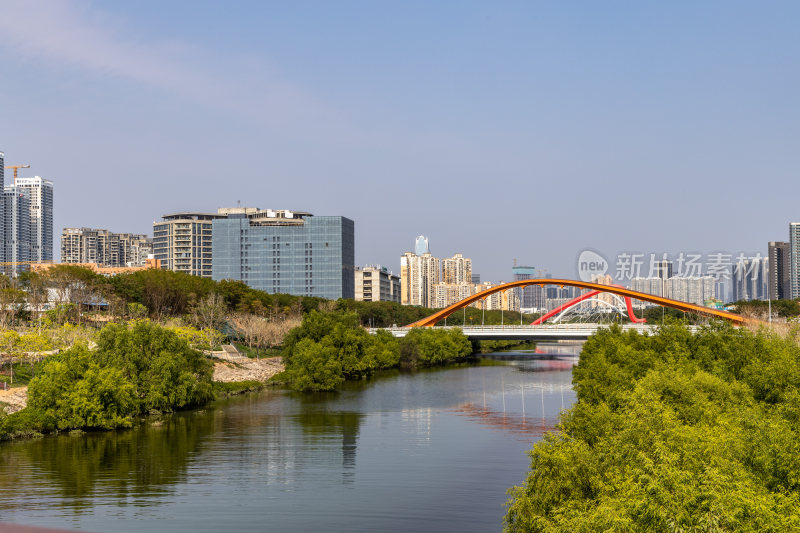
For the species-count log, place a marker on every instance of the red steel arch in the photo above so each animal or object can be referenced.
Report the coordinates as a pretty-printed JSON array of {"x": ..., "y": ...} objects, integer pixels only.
[
  {"x": 579, "y": 299},
  {"x": 667, "y": 302}
]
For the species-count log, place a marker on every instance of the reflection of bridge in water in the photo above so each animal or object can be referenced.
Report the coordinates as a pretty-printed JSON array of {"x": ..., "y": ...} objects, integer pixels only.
[{"x": 513, "y": 423}]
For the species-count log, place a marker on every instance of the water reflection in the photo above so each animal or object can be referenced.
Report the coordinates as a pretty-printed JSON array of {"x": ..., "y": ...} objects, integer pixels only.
[
  {"x": 322, "y": 426},
  {"x": 129, "y": 464},
  {"x": 412, "y": 449},
  {"x": 520, "y": 425}
]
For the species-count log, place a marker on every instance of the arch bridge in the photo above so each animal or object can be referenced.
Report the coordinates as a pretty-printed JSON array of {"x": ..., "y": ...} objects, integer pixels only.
[{"x": 687, "y": 307}]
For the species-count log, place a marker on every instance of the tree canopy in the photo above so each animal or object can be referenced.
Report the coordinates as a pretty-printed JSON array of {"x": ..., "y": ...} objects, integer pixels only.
[
  {"x": 672, "y": 432},
  {"x": 133, "y": 370}
]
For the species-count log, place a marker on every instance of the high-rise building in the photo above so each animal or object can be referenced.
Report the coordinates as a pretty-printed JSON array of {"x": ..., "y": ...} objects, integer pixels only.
[
  {"x": 445, "y": 294},
  {"x": 721, "y": 288},
  {"x": 663, "y": 269},
  {"x": 696, "y": 290},
  {"x": 794, "y": 260},
  {"x": 418, "y": 275},
  {"x": 531, "y": 296},
  {"x": 107, "y": 249},
  {"x": 421, "y": 245},
  {"x": 2, "y": 204},
  {"x": 607, "y": 297},
  {"x": 40, "y": 198},
  {"x": 375, "y": 283},
  {"x": 457, "y": 269},
  {"x": 182, "y": 242},
  {"x": 507, "y": 300},
  {"x": 17, "y": 231},
  {"x": 779, "y": 284},
  {"x": 654, "y": 286},
  {"x": 749, "y": 279},
  {"x": 281, "y": 251}
]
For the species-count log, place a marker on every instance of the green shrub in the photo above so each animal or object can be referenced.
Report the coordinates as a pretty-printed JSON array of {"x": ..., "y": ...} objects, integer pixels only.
[
  {"x": 329, "y": 348},
  {"x": 131, "y": 372},
  {"x": 672, "y": 432}
]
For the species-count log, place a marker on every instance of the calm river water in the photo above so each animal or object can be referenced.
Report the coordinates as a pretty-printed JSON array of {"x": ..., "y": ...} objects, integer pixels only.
[{"x": 428, "y": 451}]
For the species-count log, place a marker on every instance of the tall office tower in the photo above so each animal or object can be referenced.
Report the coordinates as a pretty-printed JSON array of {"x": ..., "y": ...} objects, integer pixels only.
[
  {"x": 749, "y": 279},
  {"x": 794, "y": 260},
  {"x": 721, "y": 290},
  {"x": 182, "y": 242},
  {"x": 107, "y": 249},
  {"x": 40, "y": 198},
  {"x": 778, "y": 255},
  {"x": 375, "y": 283},
  {"x": 281, "y": 251},
  {"x": 663, "y": 269},
  {"x": 421, "y": 245},
  {"x": 17, "y": 231},
  {"x": 2, "y": 205},
  {"x": 418, "y": 275},
  {"x": 457, "y": 269},
  {"x": 527, "y": 295}
]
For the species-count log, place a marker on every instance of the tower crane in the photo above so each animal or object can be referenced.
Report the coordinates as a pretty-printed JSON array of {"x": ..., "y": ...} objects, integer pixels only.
[{"x": 16, "y": 167}]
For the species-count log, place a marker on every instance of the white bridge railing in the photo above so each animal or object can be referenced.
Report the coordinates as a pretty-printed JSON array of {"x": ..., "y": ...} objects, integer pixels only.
[{"x": 545, "y": 331}]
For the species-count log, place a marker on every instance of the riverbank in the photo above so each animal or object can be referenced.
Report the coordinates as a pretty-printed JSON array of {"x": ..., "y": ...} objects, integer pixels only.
[
  {"x": 13, "y": 400},
  {"x": 231, "y": 366},
  {"x": 672, "y": 431},
  {"x": 450, "y": 438}
]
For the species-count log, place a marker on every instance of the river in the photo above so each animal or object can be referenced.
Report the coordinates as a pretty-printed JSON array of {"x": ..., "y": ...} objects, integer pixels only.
[{"x": 434, "y": 450}]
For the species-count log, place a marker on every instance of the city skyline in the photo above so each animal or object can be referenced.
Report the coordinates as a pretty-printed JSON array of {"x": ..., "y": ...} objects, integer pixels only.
[
  {"x": 636, "y": 104},
  {"x": 40, "y": 192}
]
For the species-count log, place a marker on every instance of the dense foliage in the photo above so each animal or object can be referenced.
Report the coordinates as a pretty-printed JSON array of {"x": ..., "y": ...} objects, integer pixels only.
[
  {"x": 162, "y": 294},
  {"x": 672, "y": 432},
  {"x": 328, "y": 348},
  {"x": 762, "y": 308},
  {"x": 132, "y": 371},
  {"x": 388, "y": 314}
]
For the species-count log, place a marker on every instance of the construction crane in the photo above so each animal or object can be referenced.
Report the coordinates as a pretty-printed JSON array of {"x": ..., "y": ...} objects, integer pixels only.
[{"x": 16, "y": 167}]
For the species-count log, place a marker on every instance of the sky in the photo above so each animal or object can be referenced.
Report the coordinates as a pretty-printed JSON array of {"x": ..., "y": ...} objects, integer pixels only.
[{"x": 505, "y": 131}]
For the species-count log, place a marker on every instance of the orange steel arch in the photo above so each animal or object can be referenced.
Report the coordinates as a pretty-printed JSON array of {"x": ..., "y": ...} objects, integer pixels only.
[{"x": 667, "y": 302}]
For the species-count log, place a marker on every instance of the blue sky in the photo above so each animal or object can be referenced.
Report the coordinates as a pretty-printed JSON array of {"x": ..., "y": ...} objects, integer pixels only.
[{"x": 501, "y": 130}]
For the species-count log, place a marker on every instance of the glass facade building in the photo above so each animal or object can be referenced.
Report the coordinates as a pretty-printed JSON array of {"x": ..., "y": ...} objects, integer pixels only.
[
  {"x": 531, "y": 296},
  {"x": 794, "y": 260},
  {"x": 305, "y": 256},
  {"x": 779, "y": 267},
  {"x": 17, "y": 231}
]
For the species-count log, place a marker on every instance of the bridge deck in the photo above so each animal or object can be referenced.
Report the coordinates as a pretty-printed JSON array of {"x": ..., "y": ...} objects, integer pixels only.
[{"x": 531, "y": 333}]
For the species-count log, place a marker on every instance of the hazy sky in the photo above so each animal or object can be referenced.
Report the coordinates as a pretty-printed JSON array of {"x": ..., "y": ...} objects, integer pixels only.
[{"x": 501, "y": 130}]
